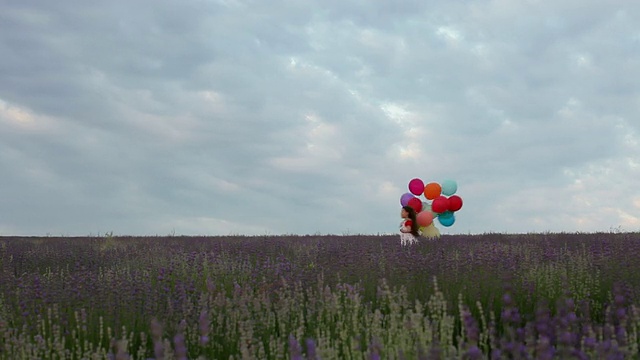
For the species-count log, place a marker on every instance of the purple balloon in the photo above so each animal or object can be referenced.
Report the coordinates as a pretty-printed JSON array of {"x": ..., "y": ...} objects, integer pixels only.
[{"x": 404, "y": 200}]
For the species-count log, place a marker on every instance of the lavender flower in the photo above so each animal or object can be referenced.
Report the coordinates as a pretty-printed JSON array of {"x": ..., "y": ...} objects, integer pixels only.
[{"x": 295, "y": 351}]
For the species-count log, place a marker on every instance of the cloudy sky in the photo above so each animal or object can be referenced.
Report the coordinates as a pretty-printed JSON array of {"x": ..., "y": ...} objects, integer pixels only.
[{"x": 300, "y": 117}]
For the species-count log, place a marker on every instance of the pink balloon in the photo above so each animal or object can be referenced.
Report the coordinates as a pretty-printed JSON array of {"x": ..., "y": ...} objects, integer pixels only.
[
  {"x": 416, "y": 186},
  {"x": 424, "y": 218}
]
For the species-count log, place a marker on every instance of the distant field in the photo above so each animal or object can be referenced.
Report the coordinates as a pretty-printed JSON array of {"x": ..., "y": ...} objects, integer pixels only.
[{"x": 535, "y": 296}]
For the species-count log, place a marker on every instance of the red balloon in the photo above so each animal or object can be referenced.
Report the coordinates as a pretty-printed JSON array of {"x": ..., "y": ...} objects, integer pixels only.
[
  {"x": 440, "y": 204},
  {"x": 455, "y": 203},
  {"x": 416, "y": 204}
]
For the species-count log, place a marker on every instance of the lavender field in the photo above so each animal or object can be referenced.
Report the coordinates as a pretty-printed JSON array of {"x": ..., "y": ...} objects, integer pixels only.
[{"x": 532, "y": 296}]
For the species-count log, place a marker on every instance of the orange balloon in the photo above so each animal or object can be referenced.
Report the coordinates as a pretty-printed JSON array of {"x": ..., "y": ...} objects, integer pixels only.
[{"x": 432, "y": 190}]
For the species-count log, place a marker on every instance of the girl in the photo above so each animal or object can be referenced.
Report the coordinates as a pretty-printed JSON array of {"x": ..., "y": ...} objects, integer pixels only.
[{"x": 409, "y": 226}]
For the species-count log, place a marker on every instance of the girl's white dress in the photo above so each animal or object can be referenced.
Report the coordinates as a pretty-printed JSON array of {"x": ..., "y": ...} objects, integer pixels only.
[{"x": 406, "y": 238}]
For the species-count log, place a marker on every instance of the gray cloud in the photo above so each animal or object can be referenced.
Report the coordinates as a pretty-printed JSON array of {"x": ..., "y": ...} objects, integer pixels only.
[{"x": 301, "y": 117}]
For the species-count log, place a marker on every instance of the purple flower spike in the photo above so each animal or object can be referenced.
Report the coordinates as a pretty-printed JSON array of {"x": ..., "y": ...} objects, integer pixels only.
[
  {"x": 374, "y": 350},
  {"x": 473, "y": 353},
  {"x": 180, "y": 347},
  {"x": 203, "y": 325},
  {"x": 311, "y": 350},
  {"x": 156, "y": 333},
  {"x": 121, "y": 351},
  {"x": 295, "y": 351}
]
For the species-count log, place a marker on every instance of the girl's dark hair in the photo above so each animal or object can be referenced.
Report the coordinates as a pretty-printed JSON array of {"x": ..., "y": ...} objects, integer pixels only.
[{"x": 414, "y": 222}]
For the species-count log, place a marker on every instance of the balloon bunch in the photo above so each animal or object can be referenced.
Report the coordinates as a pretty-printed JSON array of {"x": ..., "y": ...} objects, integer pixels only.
[{"x": 443, "y": 203}]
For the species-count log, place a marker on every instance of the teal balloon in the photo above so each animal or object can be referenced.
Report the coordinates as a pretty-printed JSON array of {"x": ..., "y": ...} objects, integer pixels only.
[
  {"x": 449, "y": 187},
  {"x": 446, "y": 215},
  {"x": 447, "y": 221}
]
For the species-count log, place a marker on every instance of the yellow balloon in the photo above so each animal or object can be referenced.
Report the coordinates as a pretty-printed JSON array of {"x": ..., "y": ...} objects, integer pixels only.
[{"x": 430, "y": 232}]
